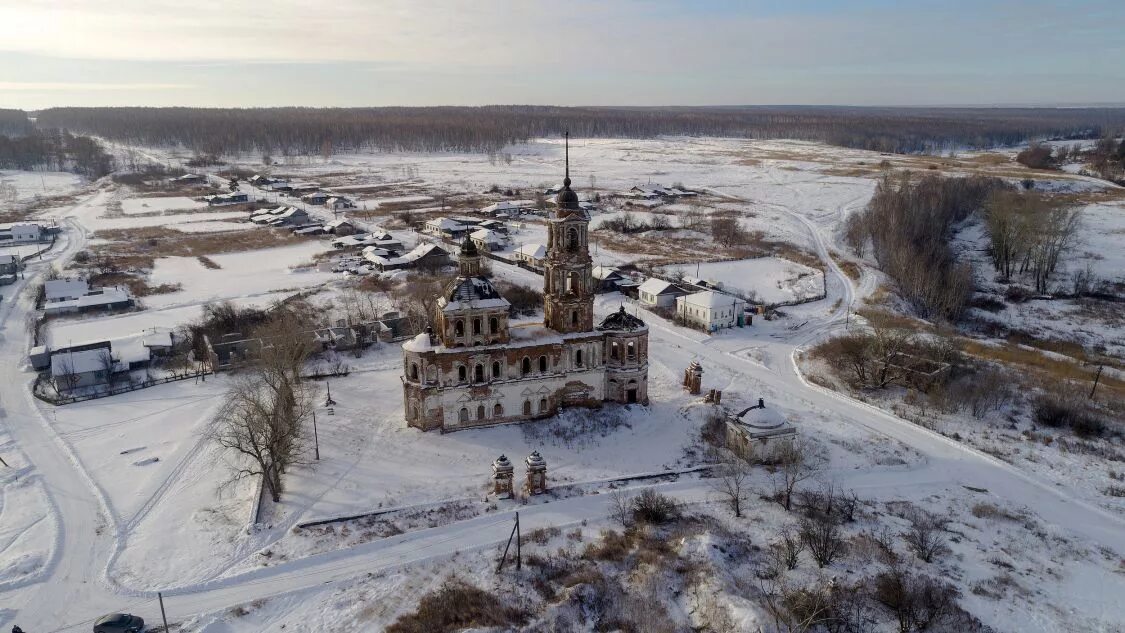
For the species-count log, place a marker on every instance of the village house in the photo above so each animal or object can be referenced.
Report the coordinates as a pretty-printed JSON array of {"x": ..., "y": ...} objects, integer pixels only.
[
  {"x": 341, "y": 227},
  {"x": 261, "y": 181},
  {"x": 454, "y": 229},
  {"x": 606, "y": 278},
  {"x": 10, "y": 264},
  {"x": 473, "y": 369},
  {"x": 711, "y": 310},
  {"x": 190, "y": 179},
  {"x": 657, "y": 293},
  {"x": 505, "y": 208},
  {"x": 22, "y": 233},
  {"x": 83, "y": 366},
  {"x": 532, "y": 255},
  {"x": 494, "y": 225},
  {"x": 339, "y": 203},
  {"x": 301, "y": 188},
  {"x": 424, "y": 256},
  {"x": 222, "y": 199},
  {"x": 317, "y": 198},
  {"x": 488, "y": 240},
  {"x": 378, "y": 239},
  {"x": 62, "y": 296}
]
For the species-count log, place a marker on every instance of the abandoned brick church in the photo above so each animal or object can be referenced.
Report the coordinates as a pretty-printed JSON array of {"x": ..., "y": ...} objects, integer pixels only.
[{"x": 474, "y": 369}]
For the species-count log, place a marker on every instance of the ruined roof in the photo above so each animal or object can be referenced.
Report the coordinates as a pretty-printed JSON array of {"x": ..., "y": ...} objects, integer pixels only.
[
  {"x": 621, "y": 321},
  {"x": 469, "y": 292}
]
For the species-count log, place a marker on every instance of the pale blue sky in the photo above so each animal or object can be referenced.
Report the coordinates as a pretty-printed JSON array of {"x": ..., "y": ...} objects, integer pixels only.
[{"x": 574, "y": 52}]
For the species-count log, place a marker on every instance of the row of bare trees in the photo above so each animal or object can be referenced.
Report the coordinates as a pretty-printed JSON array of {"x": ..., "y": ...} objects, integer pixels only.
[
  {"x": 1029, "y": 233},
  {"x": 908, "y": 224},
  {"x": 313, "y": 131}
]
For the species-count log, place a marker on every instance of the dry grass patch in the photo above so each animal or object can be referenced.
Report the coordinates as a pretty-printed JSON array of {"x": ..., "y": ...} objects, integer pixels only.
[
  {"x": 137, "y": 248},
  {"x": 137, "y": 284},
  {"x": 457, "y": 606},
  {"x": 207, "y": 262}
]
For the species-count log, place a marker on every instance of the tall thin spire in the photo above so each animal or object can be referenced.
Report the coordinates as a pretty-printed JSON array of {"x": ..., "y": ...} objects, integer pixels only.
[{"x": 566, "y": 141}]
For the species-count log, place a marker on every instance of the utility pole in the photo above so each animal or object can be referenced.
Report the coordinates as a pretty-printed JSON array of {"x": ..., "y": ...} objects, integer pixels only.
[
  {"x": 163, "y": 616},
  {"x": 316, "y": 441},
  {"x": 1096, "y": 379},
  {"x": 516, "y": 535}
]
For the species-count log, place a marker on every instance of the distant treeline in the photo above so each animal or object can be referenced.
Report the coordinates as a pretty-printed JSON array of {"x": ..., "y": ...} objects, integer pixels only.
[
  {"x": 303, "y": 131},
  {"x": 14, "y": 122},
  {"x": 55, "y": 150}
]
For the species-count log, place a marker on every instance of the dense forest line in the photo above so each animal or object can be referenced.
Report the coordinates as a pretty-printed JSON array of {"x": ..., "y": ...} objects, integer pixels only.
[
  {"x": 54, "y": 150},
  {"x": 14, "y": 122},
  {"x": 303, "y": 131}
]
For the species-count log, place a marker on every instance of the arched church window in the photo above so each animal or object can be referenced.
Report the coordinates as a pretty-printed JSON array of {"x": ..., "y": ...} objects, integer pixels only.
[
  {"x": 462, "y": 373},
  {"x": 572, "y": 239},
  {"x": 476, "y": 326},
  {"x": 494, "y": 326},
  {"x": 542, "y": 405},
  {"x": 574, "y": 317},
  {"x": 478, "y": 373},
  {"x": 578, "y": 358},
  {"x": 526, "y": 366},
  {"x": 458, "y": 328},
  {"x": 496, "y": 369},
  {"x": 463, "y": 415},
  {"x": 414, "y": 371},
  {"x": 527, "y": 407},
  {"x": 497, "y": 410},
  {"x": 542, "y": 363},
  {"x": 631, "y": 350},
  {"x": 614, "y": 351},
  {"x": 480, "y": 412}
]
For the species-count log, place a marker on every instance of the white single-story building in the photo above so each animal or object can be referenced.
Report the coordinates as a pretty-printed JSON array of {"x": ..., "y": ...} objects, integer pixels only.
[
  {"x": 67, "y": 289},
  {"x": 23, "y": 233},
  {"x": 75, "y": 295},
  {"x": 531, "y": 254},
  {"x": 379, "y": 239},
  {"x": 657, "y": 293},
  {"x": 710, "y": 310},
  {"x": 341, "y": 227},
  {"x": 488, "y": 240}
]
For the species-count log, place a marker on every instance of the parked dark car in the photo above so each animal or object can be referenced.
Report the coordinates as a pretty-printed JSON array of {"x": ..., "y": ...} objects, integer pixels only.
[{"x": 119, "y": 623}]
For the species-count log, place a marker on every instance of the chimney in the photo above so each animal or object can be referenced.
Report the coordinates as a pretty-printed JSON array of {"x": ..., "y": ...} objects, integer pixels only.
[{"x": 761, "y": 403}]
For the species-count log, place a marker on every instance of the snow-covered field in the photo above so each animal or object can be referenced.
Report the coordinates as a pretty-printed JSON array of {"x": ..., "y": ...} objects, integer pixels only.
[
  {"x": 771, "y": 280},
  {"x": 132, "y": 206},
  {"x": 240, "y": 274},
  {"x": 29, "y": 185}
]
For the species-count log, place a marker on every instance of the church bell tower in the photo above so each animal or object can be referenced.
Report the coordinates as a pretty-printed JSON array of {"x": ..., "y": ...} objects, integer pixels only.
[{"x": 568, "y": 288}]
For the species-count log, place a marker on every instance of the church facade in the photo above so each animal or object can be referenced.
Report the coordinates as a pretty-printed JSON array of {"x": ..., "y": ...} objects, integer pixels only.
[{"x": 473, "y": 369}]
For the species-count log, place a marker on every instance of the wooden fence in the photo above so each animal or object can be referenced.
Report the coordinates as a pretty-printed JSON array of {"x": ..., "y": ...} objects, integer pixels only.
[{"x": 112, "y": 391}]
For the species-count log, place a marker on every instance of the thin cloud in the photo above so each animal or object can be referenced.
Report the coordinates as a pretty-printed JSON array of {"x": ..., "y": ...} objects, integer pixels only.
[{"x": 40, "y": 86}]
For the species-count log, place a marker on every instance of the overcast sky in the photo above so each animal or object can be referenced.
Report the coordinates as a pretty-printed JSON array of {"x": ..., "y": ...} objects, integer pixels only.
[{"x": 565, "y": 52}]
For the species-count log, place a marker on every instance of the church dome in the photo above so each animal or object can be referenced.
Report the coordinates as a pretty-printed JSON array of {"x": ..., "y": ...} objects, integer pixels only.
[
  {"x": 566, "y": 198},
  {"x": 621, "y": 321},
  {"x": 469, "y": 248}
]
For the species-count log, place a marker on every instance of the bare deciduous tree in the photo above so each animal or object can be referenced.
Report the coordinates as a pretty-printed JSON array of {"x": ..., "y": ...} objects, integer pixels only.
[
  {"x": 263, "y": 428},
  {"x": 732, "y": 482},
  {"x": 822, "y": 535},
  {"x": 796, "y": 462},
  {"x": 926, "y": 536}
]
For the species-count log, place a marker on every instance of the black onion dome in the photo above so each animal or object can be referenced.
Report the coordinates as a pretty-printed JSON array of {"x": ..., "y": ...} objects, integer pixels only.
[
  {"x": 567, "y": 199},
  {"x": 468, "y": 247},
  {"x": 621, "y": 321}
]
